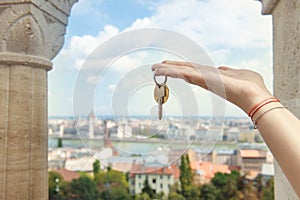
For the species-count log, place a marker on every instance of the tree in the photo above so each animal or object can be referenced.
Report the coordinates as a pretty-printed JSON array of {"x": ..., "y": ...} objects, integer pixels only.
[
  {"x": 186, "y": 176},
  {"x": 54, "y": 181},
  {"x": 189, "y": 169},
  {"x": 208, "y": 192},
  {"x": 59, "y": 143},
  {"x": 174, "y": 195},
  {"x": 109, "y": 168},
  {"x": 96, "y": 167},
  {"x": 142, "y": 196},
  {"x": 268, "y": 191},
  {"x": 219, "y": 180},
  {"x": 229, "y": 191},
  {"x": 112, "y": 185},
  {"x": 192, "y": 193},
  {"x": 227, "y": 184},
  {"x": 82, "y": 188}
]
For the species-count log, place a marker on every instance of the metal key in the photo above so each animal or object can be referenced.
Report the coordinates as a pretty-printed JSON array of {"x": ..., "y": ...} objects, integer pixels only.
[{"x": 161, "y": 95}]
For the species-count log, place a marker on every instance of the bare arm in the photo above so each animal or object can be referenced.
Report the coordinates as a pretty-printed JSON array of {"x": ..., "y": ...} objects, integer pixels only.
[{"x": 244, "y": 88}]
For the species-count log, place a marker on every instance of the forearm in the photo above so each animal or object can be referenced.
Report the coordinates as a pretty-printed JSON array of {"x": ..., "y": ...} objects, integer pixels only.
[
  {"x": 244, "y": 88},
  {"x": 281, "y": 132}
]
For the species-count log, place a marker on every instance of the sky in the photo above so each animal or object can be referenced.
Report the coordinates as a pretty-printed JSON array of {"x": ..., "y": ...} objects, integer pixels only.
[{"x": 100, "y": 67}]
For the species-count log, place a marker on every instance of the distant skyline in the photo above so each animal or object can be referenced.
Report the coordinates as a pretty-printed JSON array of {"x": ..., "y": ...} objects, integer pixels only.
[{"x": 232, "y": 34}]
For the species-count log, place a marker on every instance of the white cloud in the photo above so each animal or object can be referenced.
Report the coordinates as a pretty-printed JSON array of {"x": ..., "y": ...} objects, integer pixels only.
[
  {"x": 80, "y": 47},
  {"x": 214, "y": 23},
  {"x": 142, "y": 23},
  {"x": 220, "y": 26},
  {"x": 86, "y": 7}
]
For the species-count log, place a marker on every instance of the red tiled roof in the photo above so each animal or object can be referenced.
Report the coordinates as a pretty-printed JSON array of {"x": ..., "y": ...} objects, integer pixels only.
[
  {"x": 67, "y": 174},
  {"x": 208, "y": 169},
  {"x": 141, "y": 169}
]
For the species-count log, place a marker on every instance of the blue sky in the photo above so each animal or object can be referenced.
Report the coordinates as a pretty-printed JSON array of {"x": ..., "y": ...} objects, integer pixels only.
[{"x": 232, "y": 33}]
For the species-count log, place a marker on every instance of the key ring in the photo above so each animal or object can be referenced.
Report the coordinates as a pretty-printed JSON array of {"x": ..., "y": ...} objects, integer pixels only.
[{"x": 154, "y": 77}]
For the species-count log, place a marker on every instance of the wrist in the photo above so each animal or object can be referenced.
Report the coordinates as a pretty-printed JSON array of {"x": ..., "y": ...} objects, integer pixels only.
[
  {"x": 261, "y": 108},
  {"x": 255, "y": 96},
  {"x": 260, "y": 105},
  {"x": 264, "y": 110}
]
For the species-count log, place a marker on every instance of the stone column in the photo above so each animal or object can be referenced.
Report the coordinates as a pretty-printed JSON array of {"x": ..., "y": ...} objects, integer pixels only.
[
  {"x": 31, "y": 34},
  {"x": 286, "y": 58}
]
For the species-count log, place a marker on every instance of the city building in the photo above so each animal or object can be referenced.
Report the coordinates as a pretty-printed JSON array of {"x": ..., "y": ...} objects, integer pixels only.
[
  {"x": 251, "y": 159},
  {"x": 222, "y": 157},
  {"x": 160, "y": 178},
  {"x": 92, "y": 123},
  {"x": 124, "y": 130},
  {"x": 205, "y": 171}
]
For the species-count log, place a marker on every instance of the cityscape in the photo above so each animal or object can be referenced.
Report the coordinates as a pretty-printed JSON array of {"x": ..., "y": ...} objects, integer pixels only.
[
  {"x": 145, "y": 149},
  {"x": 75, "y": 80}
]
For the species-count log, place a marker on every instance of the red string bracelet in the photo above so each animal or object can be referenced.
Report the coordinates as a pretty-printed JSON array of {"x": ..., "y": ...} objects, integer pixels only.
[
  {"x": 256, "y": 107},
  {"x": 258, "y": 118}
]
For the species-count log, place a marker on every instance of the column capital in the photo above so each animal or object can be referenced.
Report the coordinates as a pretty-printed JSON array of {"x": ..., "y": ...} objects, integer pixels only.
[
  {"x": 10, "y": 59},
  {"x": 268, "y": 6},
  {"x": 34, "y": 27}
]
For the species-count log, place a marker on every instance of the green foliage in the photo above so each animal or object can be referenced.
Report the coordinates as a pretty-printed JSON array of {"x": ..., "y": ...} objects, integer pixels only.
[
  {"x": 175, "y": 196},
  {"x": 81, "y": 188},
  {"x": 59, "y": 143},
  {"x": 186, "y": 176},
  {"x": 111, "y": 177},
  {"x": 227, "y": 185},
  {"x": 189, "y": 172},
  {"x": 229, "y": 191},
  {"x": 112, "y": 185},
  {"x": 249, "y": 190},
  {"x": 268, "y": 191},
  {"x": 219, "y": 180},
  {"x": 109, "y": 168},
  {"x": 96, "y": 167},
  {"x": 85, "y": 174},
  {"x": 116, "y": 193},
  {"x": 142, "y": 196},
  {"x": 174, "y": 192},
  {"x": 136, "y": 155},
  {"x": 209, "y": 192},
  {"x": 175, "y": 188},
  {"x": 192, "y": 193},
  {"x": 54, "y": 181}
]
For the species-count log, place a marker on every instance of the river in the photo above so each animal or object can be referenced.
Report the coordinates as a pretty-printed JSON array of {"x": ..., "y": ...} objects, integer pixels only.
[{"x": 139, "y": 147}]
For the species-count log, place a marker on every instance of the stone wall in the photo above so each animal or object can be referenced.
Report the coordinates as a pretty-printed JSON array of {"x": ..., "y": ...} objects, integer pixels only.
[
  {"x": 31, "y": 34},
  {"x": 286, "y": 58}
]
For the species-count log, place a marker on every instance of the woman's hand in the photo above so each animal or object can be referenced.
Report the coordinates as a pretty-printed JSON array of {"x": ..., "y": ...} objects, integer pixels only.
[
  {"x": 243, "y": 88},
  {"x": 278, "y": 127}
]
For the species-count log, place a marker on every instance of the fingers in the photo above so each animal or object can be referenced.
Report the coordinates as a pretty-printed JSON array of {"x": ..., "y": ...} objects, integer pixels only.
[
  {"x": 179, "y": 63},
  {"x": 182, "y": 70},
  {"x": 224, "y": 68},
  {"x": 162, "y": 69},
  {"x": 171, "y": 64}
]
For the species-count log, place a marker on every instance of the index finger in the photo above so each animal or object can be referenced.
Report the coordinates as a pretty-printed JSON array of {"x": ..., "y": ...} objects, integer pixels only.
[{"x": 179, "y": 63}]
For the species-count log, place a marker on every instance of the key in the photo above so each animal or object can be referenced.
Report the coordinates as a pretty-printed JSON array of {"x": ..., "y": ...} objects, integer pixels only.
[{"x": 161, "y": 95}]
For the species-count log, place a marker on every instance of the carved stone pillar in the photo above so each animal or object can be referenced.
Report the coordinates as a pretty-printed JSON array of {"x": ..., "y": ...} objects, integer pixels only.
[
  {"x": 31, "y": 34},
  {"x": 286, "y": 58}
]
